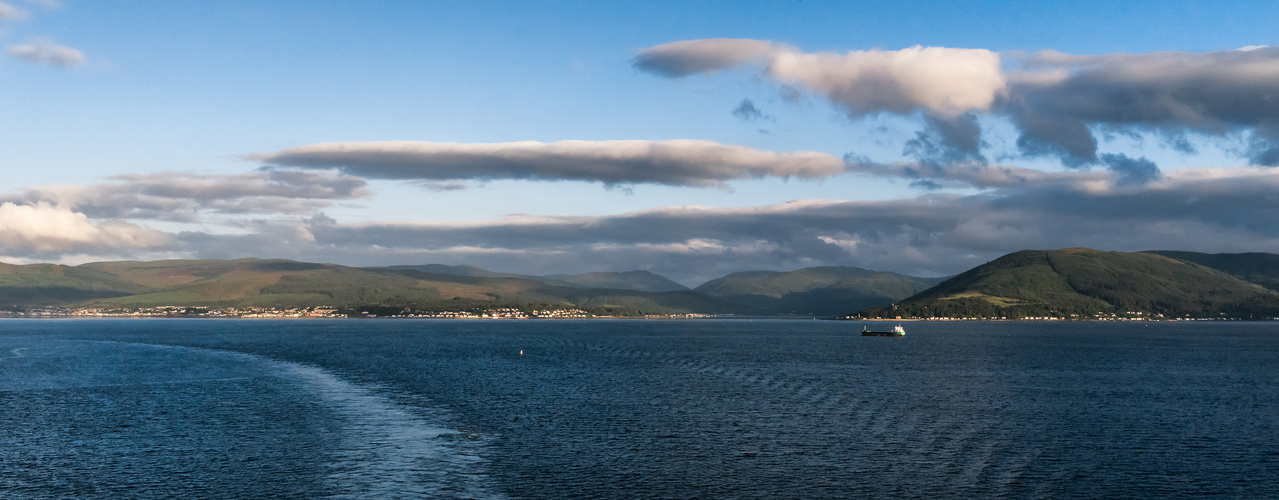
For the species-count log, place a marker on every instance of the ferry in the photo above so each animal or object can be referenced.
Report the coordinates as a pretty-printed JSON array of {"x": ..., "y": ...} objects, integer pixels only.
[{"x": 897, "y": 331}]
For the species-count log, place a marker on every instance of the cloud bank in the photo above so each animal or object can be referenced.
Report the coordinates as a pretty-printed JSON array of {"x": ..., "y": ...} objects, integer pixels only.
[
  {"x": 675, "y": 162},
  {"x": 1202, "y": 209},
  {"x": 1211, "y": 210}
]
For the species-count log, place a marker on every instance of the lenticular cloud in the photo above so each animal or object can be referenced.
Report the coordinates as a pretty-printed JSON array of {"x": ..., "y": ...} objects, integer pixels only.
[{"x": 676, "y": 162}]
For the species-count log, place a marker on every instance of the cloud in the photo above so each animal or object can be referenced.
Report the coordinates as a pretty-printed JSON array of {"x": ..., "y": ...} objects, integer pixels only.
[
  {"x": 690, "y": 57},
  {"x": 947, "y": 139},
  {"x": 45, "y": 229},
  {"x": 1212, "y": 210},
  {"x": 182, "y": 196},
  {"x": 47, "y": 52},
  {"x": 937, "y": 80},
  {"x": 1058, "y": 99},
  {"x": 1058, "y": 102},
  {"x": 981, "y": 175},
  {"x": 1131, "y": 170},
  {"x": 674, "y": 162},
  {"x": 10, "y": 13},
  {"x": 1198, "y": 209},
  {"x": 746, "y": 111},
  {"x": 48, "y": 4},
  {"x": 945, "y": 85}
]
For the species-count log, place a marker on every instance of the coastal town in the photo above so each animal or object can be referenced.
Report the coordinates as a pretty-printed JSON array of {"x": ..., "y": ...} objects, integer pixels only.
[{"x": 289, "y": 312}]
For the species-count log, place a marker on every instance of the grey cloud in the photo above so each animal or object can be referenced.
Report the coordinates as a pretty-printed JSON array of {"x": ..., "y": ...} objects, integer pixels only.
[
  {"x": 1131, "y": 170},
  {"x": 182, "y": 196},
  {"x": 979, "y": 175},
  {"x": 675, "y": 162},
  {"x": 1060, "y": 97},
  {"x": 47, "y": 52},
  {"x": 947, "y": 139},
  {"x": 684, "y": 58},
  {"x": 746, "y": 111}
]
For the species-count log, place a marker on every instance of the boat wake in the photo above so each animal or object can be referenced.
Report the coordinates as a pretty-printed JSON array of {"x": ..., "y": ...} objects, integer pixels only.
[
  {"x": 382, "y": 448},
  {"x": 386, "y": 451}
]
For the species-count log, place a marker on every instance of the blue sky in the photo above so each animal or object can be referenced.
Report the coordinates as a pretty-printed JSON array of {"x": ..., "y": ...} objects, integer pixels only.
[{"x": 169, "y": 130}]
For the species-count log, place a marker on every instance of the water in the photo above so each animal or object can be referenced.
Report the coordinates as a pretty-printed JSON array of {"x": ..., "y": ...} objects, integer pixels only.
[{"x": 635, "y": 409}]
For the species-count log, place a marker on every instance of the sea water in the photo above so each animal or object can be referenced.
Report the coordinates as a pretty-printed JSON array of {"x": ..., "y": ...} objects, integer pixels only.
[{"x": 635, "y": 409}]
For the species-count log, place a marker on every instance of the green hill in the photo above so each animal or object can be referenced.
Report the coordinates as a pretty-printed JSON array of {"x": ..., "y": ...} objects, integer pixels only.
[
  {"x": 1259, "y": 268},
  {"x": 284, "y": 283},
  {"x": 50, "y": 284},
  {"x": 1079, "y": 282},
  {"x": 815, "y": 291}
]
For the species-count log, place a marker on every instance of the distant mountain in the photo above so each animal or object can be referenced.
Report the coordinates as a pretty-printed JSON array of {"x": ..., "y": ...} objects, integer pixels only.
[
  {"x": 463, "y": 270},
  {"x": 815, "y": 291},
  {"x": 643, "y": 281},
  {"x": 1259, "y": 268},
  {"x": 1081, "y": 282}
]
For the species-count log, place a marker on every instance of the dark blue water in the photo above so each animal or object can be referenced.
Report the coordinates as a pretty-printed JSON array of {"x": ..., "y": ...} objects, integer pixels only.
[{"x": 635, "y": 409}]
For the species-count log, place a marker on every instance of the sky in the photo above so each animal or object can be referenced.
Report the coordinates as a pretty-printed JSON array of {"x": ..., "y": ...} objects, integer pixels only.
[{"x": 691, "y": 139}]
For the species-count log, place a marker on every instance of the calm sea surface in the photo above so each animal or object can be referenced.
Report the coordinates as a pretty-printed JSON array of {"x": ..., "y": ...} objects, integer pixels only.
[{"x": 635, "y": 409}]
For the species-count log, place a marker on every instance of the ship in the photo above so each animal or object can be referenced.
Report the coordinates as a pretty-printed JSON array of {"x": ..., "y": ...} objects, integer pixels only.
[{"x": 897, "y": 331}]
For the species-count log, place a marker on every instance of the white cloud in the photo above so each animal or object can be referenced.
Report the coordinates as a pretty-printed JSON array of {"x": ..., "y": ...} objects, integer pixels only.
[
  {"x": 939, "y": 80},
  {"x": 47, "y": 52},
  {"x": 43, "y": 228},
  {"x": 10, "y": 13}
]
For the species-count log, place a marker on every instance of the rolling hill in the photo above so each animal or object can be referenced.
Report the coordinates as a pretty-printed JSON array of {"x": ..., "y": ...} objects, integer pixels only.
[{"x": 284, "y": 283}]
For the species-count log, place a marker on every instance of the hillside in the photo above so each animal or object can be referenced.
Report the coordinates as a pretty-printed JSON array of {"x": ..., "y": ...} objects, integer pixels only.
[
  {"x": 1080, "y": 282},
  {"x": 643, "y": 281},
  {"x": 284, "y": 283},
  {"x": 816, "y": 291},
  {"x": 1259, "y": 268}
]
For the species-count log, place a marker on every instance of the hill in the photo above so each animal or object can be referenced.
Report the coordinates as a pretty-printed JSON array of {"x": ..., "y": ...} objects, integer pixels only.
[
  {"x": 1259, "y": 268},
  {"x": 814, "y": 291},
  {"x": 643, "y": 281},
  {"x": 284, "y": 283},
  {"x": 1084, "y": 283}
]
